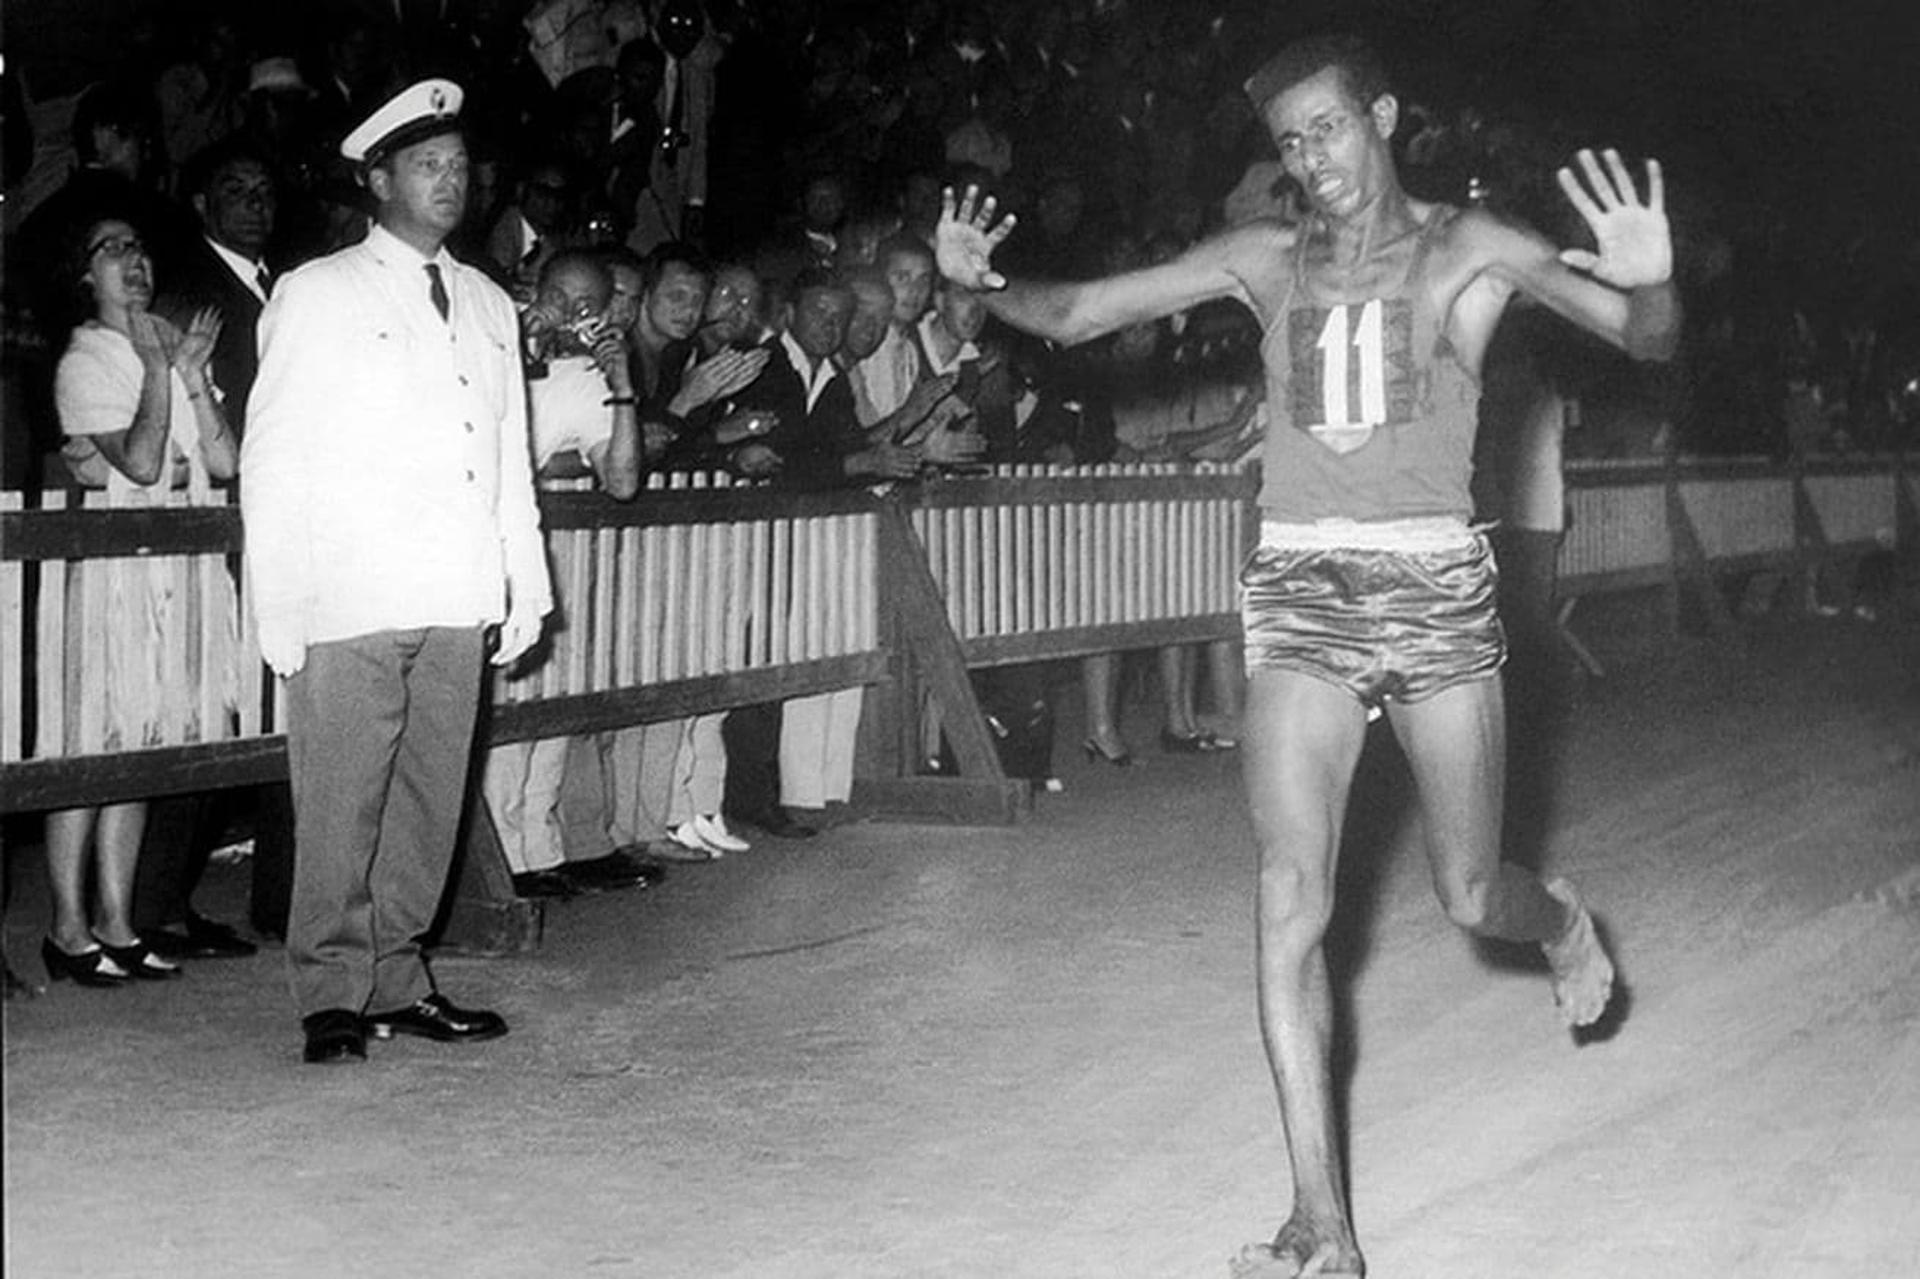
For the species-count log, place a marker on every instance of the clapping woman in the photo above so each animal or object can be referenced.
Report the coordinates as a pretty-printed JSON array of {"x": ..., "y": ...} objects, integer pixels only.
[{"x": 139, "y": 413}]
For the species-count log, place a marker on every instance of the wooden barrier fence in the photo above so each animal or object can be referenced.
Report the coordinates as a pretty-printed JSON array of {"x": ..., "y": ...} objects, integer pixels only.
[
  {"x": 1683, "y": 525},
  {"x": 698, "y": 597}
]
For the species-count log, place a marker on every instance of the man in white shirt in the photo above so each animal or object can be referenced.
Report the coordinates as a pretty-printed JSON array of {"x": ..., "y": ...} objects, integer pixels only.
[
  {"x": 585, "y": 423},
  {"x": 391, "y": 524},
  {"x": 890, "y": 373}
]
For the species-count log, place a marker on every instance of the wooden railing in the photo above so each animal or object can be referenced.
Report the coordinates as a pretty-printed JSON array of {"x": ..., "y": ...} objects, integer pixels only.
[
  {"x": 696, "y": 598},
  {"x": 1684, "y": 524},
  {"x": 1057, "y": 562}
]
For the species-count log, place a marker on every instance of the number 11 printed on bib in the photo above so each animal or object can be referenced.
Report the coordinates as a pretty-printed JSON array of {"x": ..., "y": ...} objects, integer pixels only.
[{"x": 1351, "y": 368}]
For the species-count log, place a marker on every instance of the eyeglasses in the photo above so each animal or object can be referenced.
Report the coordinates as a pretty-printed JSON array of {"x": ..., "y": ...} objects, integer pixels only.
[{"x": 118, "y": 246}]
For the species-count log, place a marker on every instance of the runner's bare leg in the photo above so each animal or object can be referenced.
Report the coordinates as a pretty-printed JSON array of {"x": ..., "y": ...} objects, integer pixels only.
[
  {"x": 1303, "y": 740},
  {"x": 1455, "y": 743}
]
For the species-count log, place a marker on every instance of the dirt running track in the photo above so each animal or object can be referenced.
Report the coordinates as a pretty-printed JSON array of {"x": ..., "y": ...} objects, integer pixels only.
[{"x": 902, "y": 1051}]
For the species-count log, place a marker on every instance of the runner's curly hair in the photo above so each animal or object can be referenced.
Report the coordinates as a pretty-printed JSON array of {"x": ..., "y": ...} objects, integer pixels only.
[{"x": 1360, "y": 67}]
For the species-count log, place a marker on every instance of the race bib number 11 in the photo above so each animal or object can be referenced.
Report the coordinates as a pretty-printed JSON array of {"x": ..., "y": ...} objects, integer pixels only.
[{"x": 1351, "y": 367}]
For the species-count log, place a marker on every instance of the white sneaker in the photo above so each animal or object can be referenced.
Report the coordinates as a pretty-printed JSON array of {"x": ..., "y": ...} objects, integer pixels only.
[
  {"x": 712, "y": 830},
  {"x": 686, "y": 836}
]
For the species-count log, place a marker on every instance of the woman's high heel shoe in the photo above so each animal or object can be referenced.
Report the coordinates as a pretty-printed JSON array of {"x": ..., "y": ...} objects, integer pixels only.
[
  {"x": 1094, "y": 751},
  {"x": 142, "y": 963},
  {"x": 91, "y": 967}
]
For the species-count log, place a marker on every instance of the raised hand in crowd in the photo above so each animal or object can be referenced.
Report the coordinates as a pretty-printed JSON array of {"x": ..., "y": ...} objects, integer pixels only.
[
  {"x": 612, "y": 355},
  {"x": 154, "y": 339},
  {"x": 724, "y": 374},
  {"x": 194, "y": 348}
]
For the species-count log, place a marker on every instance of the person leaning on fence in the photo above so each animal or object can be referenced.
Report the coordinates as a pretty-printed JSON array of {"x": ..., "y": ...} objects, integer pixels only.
[
  {"x": 139, "y": 417},
  {"x": 654, "y": 790},
  {"x": 1370, "y": 591},
  {"x": 953, "y": 346},
  {"x": 391, "y": 525},
  {"x": 584, "y": 418},
  {"x": 728, "y": 353}
]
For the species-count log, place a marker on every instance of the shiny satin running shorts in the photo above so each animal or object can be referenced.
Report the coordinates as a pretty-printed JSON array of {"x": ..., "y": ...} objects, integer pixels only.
[{"x": 1388, "y": 612}]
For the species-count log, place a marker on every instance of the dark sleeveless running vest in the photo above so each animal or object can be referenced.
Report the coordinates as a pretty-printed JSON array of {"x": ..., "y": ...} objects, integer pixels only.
[{"x": 1372, "y": 414}]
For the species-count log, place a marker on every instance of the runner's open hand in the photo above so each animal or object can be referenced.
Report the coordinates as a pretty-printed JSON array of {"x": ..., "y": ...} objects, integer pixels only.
[
  {"x": 1635, "y": 242},
  {"x": 966, "y": 236}
]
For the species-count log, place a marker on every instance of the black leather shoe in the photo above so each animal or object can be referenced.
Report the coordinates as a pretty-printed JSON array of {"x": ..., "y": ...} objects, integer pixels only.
[
  {"x": 779, "y": 825},
  {"x": 436, "y": 1018},
  {"x": 543, "y": 883},
  {"x": 201, "y": 939},
  {"x": 615, "y": 870},
  {"x": 91, "y": 967},
  {"x": 141, "y": 962},
  {"x": 334, "y": 1035}
]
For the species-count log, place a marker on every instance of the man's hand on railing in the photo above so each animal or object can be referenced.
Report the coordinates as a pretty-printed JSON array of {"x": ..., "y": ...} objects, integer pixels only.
[
  {"x": 954, "y": 446},
  {"x": 754, "y": 461},
  {"x": 656, "y": 435},
  {"x": 746, "y": 424},
  {"x": 883, "y": 461}
]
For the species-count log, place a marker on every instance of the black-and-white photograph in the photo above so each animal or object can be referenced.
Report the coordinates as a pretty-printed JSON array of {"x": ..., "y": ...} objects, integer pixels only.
[{"x": 960, "y": 639}]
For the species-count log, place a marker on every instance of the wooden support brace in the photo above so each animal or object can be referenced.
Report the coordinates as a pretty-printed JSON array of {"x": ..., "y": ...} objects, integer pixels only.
[
  {"x": 918, "y": 616},
  {"x": 1813, "y": 548},
  {"x": 1563, "y": 622},
  {"x": 1691, "y": 568}
]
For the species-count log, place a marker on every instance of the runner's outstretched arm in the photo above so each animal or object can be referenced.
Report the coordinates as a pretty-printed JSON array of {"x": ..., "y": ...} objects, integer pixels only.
[
  {"x": 1623, "y": 289},
  {"x": 967, "y": 234}
]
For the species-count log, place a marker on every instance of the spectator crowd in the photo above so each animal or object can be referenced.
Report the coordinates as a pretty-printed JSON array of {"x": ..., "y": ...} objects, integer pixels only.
[{"x": 715, "y": 226}]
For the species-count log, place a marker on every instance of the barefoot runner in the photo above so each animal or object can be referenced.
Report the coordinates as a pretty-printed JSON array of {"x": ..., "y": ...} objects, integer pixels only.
[{"x": 1369, "y": 590}]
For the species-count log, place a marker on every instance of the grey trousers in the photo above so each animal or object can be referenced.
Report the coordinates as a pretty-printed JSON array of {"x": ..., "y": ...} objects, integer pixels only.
[{"x": 379, "y": 737}]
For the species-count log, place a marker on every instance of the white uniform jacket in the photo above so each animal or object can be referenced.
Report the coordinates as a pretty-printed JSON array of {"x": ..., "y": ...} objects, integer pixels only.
[{"x": 386, "y": 481}]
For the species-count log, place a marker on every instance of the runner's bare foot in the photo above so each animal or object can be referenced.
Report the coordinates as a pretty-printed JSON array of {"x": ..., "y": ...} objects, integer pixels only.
[
  {"x": 1299, "y": 1251},
  {"x": 1582, "y": 972}
]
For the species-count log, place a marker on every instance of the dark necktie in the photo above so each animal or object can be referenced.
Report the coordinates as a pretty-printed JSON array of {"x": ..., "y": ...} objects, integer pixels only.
[
  {"x": 673, "y": 137},
  {"x": 437, "y": 290},
  {"x": 265, "y": 281}
]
